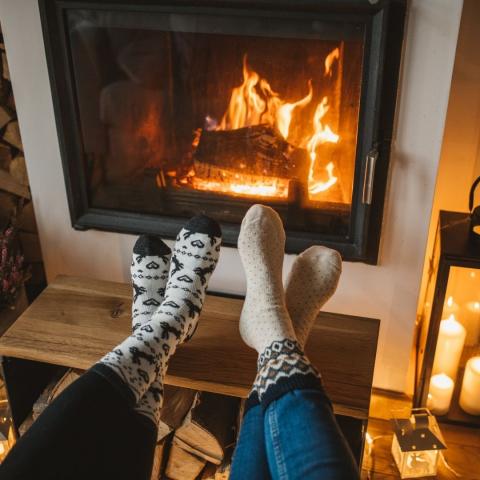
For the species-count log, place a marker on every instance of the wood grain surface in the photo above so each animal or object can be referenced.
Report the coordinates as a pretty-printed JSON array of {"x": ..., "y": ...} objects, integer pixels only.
[{"x": 75, "y": 321}]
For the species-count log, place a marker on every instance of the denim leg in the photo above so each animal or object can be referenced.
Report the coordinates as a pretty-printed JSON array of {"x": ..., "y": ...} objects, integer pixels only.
[
  {"x": 303, "y": 440},
  {"x": 250, "y": 459}
]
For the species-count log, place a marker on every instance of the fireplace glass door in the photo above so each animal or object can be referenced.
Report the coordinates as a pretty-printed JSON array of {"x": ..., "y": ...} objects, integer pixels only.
[
  {"x": 179, "y": 111},
  {"x": 166, "y": 111}
]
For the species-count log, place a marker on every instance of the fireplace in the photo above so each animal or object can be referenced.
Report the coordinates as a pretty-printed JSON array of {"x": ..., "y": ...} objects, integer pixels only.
[{"x": 167, "y": 110}]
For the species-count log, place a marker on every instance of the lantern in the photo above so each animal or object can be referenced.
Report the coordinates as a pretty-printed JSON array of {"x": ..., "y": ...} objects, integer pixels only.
[{"x": 416, "y": 445}]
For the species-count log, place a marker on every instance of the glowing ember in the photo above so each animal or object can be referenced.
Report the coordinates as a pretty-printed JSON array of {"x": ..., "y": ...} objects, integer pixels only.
[
  {"x": 254, "y": 102},
  {"x": 245, "y": 185}
]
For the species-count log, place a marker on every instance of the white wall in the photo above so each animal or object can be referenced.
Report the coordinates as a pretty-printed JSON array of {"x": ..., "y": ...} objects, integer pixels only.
[
  {"x": 388, "y": 291},
  {"x": 460, "y": 154}
]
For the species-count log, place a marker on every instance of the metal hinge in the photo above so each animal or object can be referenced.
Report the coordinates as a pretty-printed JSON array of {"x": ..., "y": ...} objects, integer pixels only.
[{"x": 372, "y": 156}]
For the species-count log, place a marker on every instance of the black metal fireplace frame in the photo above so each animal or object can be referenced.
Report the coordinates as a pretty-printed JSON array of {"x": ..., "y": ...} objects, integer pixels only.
[{"x": 384, "y": 23}]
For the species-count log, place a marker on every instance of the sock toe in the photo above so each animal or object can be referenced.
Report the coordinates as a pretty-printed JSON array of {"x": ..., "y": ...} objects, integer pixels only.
[
  {"x": 149, "y": 245},
  {"x": 204, "y": 224}
]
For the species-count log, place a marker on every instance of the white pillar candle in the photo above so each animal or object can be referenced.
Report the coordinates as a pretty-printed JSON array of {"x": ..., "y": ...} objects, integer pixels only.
[
  {"x": 440, "y": 394},
  {"x": 470, "y": 393},
  {"x": 471, "y": 320},
  {"x": 449, "y": 307},
  {"x": 451, "y": 338}
]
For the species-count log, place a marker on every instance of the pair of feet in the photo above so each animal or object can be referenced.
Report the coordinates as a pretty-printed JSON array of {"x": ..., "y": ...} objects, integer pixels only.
[{"x": 169, "y": 290}]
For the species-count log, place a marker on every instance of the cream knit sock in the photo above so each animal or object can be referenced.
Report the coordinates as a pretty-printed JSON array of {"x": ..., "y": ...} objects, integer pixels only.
[
  {"x": 264, "y": 322},
  {"x": 261, "y": 244},
  {"x": 312, "y": 280}
]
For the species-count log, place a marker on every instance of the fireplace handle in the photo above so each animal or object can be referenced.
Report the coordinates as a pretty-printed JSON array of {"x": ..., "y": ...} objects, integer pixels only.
[{"x": 372, "y": 156}]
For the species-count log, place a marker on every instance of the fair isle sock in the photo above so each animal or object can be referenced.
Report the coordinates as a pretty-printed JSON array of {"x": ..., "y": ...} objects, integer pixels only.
[
  {"x": 281, "y": 368},
  {"x": 149, "y": 273},
  {"x": 265, "y": 323},
  {"x": 312, "y": 280},
  {"x": 143, "y": 357},
  {"x": 261, "y": 243}
]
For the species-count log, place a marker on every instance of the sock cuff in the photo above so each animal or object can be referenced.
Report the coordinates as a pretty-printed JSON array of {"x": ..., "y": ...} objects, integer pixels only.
[
  {"x": 115, "y": 381},
  {"x": 282, "y": 367}
]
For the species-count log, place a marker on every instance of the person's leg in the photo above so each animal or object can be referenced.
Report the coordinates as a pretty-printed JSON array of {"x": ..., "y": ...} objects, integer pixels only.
[
  {"x": 303, "y": 440},
  {"x": 283, "y": 368},
  {"x": 89, "y": 431},
  {"x": 250, "y": 456},
  {"x": 94, "y": 425},
  {"x": 310, "y": 283}
]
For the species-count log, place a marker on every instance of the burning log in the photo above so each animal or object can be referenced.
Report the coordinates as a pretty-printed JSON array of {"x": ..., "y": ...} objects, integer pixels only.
[{"x": 254, "y": 150}]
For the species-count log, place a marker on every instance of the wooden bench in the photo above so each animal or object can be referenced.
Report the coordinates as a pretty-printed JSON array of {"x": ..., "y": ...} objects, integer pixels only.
[{"x": 75, "y": 321}]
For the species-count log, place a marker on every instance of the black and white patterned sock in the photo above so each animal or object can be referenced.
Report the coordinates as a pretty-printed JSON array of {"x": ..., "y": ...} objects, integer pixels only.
[
  {"x": 142, "y": 358},
  {"x": 149, "y": 273}
]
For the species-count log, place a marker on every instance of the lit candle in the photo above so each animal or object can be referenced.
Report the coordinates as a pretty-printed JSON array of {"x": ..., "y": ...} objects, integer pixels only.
[
  {"x": 440, "y": 394},
  {"x": 451, "y": 338},
  {"x": 449, "y": 307},
  {"x": 470, "y": 393},
  {"x": 471, "y": 321}
]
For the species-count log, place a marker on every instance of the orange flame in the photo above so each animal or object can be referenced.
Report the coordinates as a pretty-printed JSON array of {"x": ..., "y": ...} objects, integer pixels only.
[
  {"x": 254, "y": 102},
  {"x": 331, "y": 57}
]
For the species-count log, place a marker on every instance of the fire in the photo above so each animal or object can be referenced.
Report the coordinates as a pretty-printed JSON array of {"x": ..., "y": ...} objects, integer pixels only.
[
  {"x": 254, "y": 102},
  {"x": 245, "y": 185},
  {"x": 331, "y": 57}
]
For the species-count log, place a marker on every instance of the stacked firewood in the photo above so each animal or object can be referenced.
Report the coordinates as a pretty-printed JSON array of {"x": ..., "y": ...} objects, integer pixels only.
[
  {"x": 16, "y": 208},
  {"x": 196, "y": 436}
]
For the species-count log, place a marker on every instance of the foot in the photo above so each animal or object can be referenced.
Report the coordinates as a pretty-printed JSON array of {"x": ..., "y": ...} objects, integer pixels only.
[
  {"x": 261, "y": 244},
  {"x": 312, "y": 280},
  {"x": 142, "y": 358},
  {"x": 149, "y": 272}
]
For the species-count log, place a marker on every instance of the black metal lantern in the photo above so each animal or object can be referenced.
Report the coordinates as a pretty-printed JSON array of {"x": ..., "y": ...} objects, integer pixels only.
[
  {"x": 474, "y": 213},
  {"x": 448, "y": 342}
]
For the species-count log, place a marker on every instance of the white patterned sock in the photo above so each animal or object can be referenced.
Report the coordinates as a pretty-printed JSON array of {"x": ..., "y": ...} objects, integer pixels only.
[
  {"x": 149, "y": 273},
  {"x": 143, "y": 357},
  {"x": 312, "y": 280}
]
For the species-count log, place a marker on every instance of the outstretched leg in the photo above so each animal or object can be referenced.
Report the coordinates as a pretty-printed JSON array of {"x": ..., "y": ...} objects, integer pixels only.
[
  {"x": 285, "y": 377},
  {"x": 93, "y": 429}
]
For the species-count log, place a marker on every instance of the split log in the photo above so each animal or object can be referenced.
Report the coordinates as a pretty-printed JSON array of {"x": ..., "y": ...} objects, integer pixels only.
[
  {"x": 176, "y": 404},
  {"x": 12, "y": 135},
  {"x": 5, "y": 116},
  {"x": 158, "y": 461},
  {"x": 183, "y": 465},
  {"x": 209, "y": 428},
  {"x": 18, "y": 170},
  {"x": 9, "y": 184},
  {"x": 255, "y": 150}
]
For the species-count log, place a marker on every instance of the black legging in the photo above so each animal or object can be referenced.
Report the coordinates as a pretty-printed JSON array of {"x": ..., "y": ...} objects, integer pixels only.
[{"x": 90, "y": 431}]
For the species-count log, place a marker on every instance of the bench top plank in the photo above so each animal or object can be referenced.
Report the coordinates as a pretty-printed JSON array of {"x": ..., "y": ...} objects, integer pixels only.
[{"x": 75, "y": 321}]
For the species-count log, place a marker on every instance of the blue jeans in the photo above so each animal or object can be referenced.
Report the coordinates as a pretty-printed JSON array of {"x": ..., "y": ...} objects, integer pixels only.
[{"x": 296, "y": 437}]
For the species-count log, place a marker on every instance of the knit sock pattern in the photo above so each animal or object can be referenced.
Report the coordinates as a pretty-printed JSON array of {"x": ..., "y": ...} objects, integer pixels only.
[
  {"x": 282, "y": 367},
  {"x": 143, "y": 357},
  {"x": 261, "y": 244},
  {"x": 149, "y": 273},
  {"x": 312, "y": 280}
]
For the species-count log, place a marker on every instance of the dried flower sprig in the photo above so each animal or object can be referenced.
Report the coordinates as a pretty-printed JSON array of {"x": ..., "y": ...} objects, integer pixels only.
[{"x": 13, "y": 272}]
